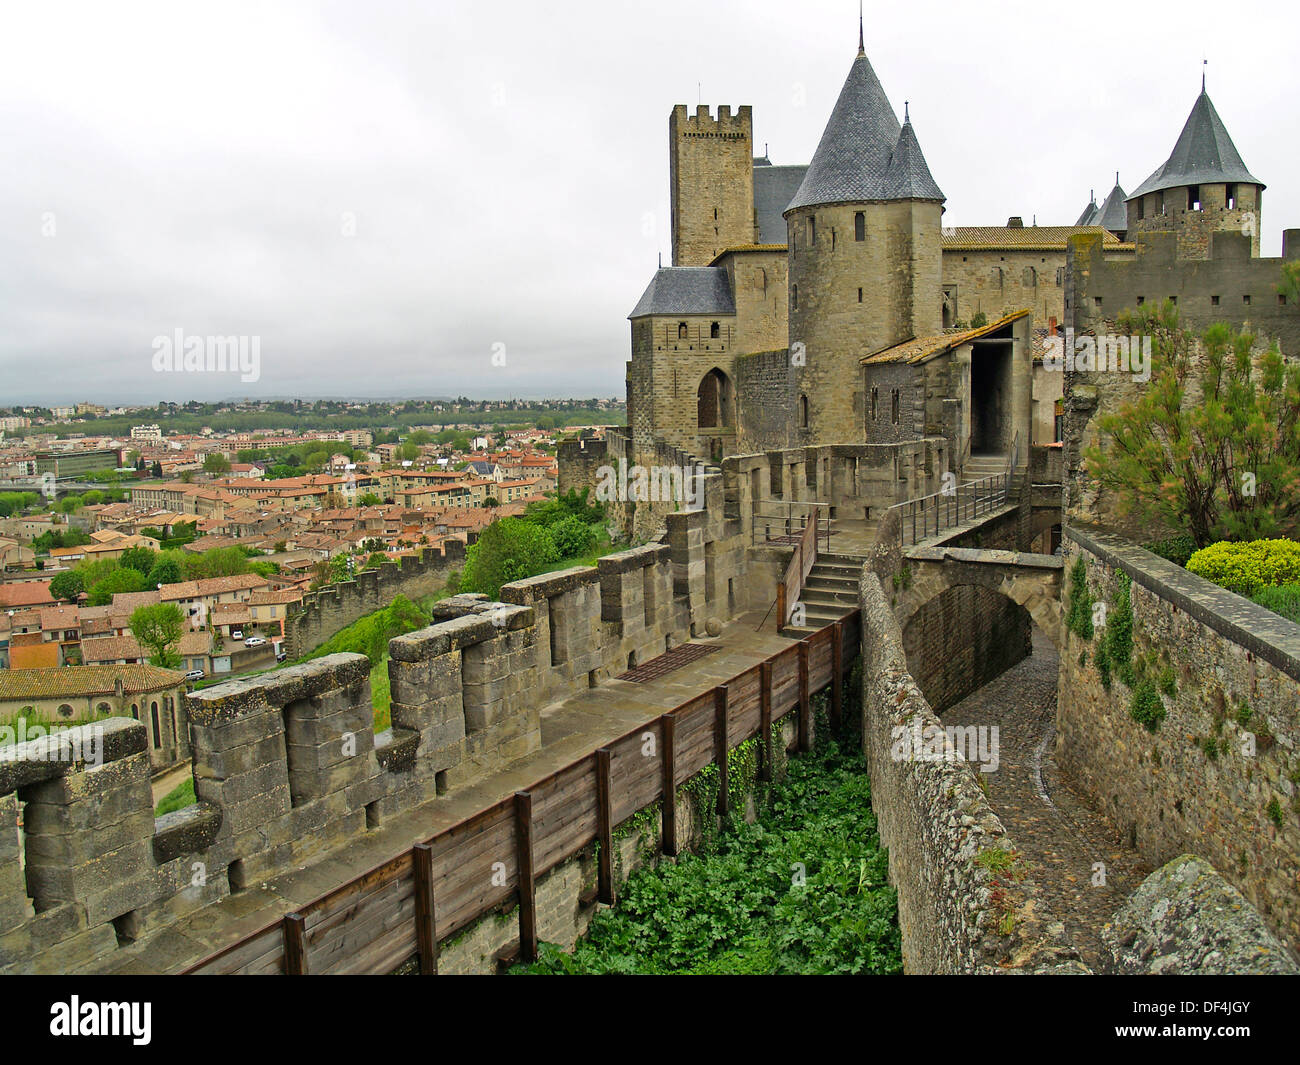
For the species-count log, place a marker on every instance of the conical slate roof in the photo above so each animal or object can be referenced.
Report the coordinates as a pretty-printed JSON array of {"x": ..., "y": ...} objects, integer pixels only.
[
  {"x": 1204, "y": 153},
  {"x": 1090, "y": 214},
  {"x": 1113, "y": 214},
  {"x": 907, "y": 177},
  {"x": 864, "y": 154}
]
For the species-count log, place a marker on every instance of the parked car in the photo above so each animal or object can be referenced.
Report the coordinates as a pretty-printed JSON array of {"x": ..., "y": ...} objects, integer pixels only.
[
  {"x": 254, "y": 641},
  {"x": 195, "y": 674},
  {"x": 236, "y": 634},
  {"x": 280, "y": 656}
]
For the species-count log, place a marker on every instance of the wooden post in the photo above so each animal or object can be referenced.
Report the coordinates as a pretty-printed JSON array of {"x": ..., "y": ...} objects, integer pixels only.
[
  {"x": 426, "y": 931},
  {"x": 805, "y": 700},
  {"x": 720, "y": 747},
  {"x": 604, "y": 828},
  {"x": 837, "y": 675},
  {"x": 293, "y": 927},
  {"x": 780, "y": 606},
  {"x": 527, "y": 887},
  {"x": 765, "y": 721},
  {"x": 668, "y": 844}
]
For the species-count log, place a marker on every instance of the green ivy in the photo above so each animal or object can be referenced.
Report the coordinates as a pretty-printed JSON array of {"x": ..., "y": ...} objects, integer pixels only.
[
  {"x": 1275, "y": 811},
  {"x": 1078, "y": 620},
  {"x": 1146, "y": 707}
]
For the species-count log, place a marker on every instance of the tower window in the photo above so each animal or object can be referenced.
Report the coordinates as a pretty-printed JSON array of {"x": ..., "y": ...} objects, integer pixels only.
[
  {"x": 860, "y": 225},
  {"x": 1142, "y": 209},
  {"x": 1246, "y": 300},
  {"x": 681, "y": 330},
  {"x": 1230, "y": 196},
  {"x": 894, "y": 405},
  {"x": 1194, "y": 197},
  {"x": 794, "y": 297},
  {"x": 715, "y": 331},
  {"x": 1214, "y": 301},
  {"x": 875, "y": 402},
  {"x": 812, "y": 232},
  {"x": 859, "y": 295},
  {"x": 832, "y": 239},
  {"x": 803, "y": 411}
]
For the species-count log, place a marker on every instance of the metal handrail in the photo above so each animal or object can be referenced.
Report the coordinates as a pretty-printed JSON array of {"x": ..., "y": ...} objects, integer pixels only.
[{"x": 950, "y": 509}]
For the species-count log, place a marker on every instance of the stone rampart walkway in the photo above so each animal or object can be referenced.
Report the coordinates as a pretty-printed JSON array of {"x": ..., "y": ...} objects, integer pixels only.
[{"x": 570, "y": 729}]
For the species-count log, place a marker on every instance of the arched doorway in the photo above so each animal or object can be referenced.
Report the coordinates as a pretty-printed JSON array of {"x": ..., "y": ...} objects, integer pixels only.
[{"x": 716, "y": 402}]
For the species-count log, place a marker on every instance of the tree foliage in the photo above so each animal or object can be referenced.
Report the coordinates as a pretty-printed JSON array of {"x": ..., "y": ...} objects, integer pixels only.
[
  {"x": 158, "y": 628},
  {"x": 508, "y": 550},
  {"x": 67, "y": 585},
  {"x": 1212, "y": 445},
  {"x": 120, "y": 580}
]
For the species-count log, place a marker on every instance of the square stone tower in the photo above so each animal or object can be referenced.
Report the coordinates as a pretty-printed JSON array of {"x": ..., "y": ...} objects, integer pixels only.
[{"x": 711, "y": 175}]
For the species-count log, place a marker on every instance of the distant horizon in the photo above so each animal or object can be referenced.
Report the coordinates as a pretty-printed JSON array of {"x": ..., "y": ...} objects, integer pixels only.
[{"x": 575, "y": 397}]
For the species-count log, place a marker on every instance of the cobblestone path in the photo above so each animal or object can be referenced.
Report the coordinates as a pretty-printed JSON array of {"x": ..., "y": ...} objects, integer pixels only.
[{"x": 1060, "y": 834}]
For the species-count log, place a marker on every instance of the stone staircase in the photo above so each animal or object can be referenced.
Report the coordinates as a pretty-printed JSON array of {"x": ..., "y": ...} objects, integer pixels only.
[
  {"x": 980, "y": 466},
  {"x": 829, "y": 593}
]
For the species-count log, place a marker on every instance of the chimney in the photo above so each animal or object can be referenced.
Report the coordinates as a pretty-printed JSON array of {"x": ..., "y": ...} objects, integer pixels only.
[{"x": 1015, "y": 222}]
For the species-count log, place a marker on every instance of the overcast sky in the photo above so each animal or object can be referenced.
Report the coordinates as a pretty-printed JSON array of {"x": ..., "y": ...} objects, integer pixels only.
[{"x": 382, "y": 191}]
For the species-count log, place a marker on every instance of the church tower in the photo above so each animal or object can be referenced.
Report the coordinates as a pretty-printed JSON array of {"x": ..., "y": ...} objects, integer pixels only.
[
  {"x": 711, "y": 182},
  {"x": 1202, "y": 188},
  {"x": 864, "y": 252}
]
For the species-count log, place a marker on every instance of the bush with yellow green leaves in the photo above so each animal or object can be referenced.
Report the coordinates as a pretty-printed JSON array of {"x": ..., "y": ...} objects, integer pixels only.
[{"x": 1245, "y": 568}]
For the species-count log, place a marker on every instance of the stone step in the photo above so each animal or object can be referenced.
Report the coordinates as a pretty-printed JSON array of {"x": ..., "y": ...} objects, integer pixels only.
[{"x": 831, "y": 587}]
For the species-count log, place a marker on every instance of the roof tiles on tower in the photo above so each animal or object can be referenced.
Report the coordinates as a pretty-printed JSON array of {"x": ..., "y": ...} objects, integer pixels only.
[{"x": 1204, "y": 153}]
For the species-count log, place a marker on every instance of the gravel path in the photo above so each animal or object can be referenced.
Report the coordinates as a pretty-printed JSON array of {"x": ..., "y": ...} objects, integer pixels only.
[{"x": 1060, "y": 834}]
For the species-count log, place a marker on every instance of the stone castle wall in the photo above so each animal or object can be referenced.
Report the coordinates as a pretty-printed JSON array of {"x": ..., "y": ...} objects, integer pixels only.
[
  {"x": 287, "y": 765},
  {"x": 323, "y": 613},
  {"x": 1189, "y": 786}
]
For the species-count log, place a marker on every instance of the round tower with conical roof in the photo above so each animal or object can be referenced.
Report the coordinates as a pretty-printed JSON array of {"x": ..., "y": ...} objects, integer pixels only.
[
  {"x": 865, "y": 260},
  {"x": 1202, "y": 188}
]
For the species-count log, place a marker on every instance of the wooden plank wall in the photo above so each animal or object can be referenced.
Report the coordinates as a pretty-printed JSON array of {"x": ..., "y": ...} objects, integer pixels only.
[{"x": 385, "y": 917}]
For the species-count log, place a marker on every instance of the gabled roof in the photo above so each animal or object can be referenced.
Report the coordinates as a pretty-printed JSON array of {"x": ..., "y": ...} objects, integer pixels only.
[
  {"x": 1204, "y": 153},
  {"x": 1113, "y": 214},
  {"x": 864, "y": 154},
  {"x": 686, "y": 290},
  {"x": 1019, "y": 238},
  {"x": 923, "y": 349},
  {"x": 774, "y": 188}
]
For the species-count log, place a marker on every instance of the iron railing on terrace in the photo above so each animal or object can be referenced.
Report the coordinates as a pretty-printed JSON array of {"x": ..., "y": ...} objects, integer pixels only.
[
  {"x": 930, "y": 515},
  {"x": 777, "y": 521}
]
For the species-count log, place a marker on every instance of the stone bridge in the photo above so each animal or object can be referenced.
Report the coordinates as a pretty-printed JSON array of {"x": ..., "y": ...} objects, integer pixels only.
[{"x": 1031, "y": 581}]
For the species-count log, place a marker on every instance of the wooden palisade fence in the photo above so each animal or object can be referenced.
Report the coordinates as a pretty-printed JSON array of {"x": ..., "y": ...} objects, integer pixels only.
[{"x": 402, "y": 908}]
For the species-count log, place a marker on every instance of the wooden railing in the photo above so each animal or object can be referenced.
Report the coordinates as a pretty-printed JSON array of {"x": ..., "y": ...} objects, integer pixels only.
[
  {"x": 403, "y": 907},
  {"x": 796, "y": 572}
]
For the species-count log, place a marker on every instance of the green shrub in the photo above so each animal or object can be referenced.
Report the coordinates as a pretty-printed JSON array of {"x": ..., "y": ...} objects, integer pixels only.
[
  {"x": 573, "y": 537},
  {"x": 1245, "y": 568},
  {"x": 1177, "y": 549},
  {"x": 1146, "y": 707},
  {"x": 1168, "y": 681},
  {"x": 1283, "y": 599}
]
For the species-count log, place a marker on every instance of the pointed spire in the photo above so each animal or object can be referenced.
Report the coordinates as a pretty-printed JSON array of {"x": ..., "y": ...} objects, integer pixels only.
[
  {"x": 863, "y": 154},
  {"x": 1204, "y": 64},
  {"x": 906, "y": 115},
  {"x": 1204, "y": 153},
  {"x": 862, "y": 48}
]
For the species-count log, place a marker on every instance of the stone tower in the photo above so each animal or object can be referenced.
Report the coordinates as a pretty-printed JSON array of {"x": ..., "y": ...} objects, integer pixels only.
[
  {"x": 864, "y": 251},
  {"x": 711, "y": 177},
  {"x": 1202, "y": 188}
]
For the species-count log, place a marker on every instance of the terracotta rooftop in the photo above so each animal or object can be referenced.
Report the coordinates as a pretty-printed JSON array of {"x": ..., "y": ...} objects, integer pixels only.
[{"x": 70, "y": 681}]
